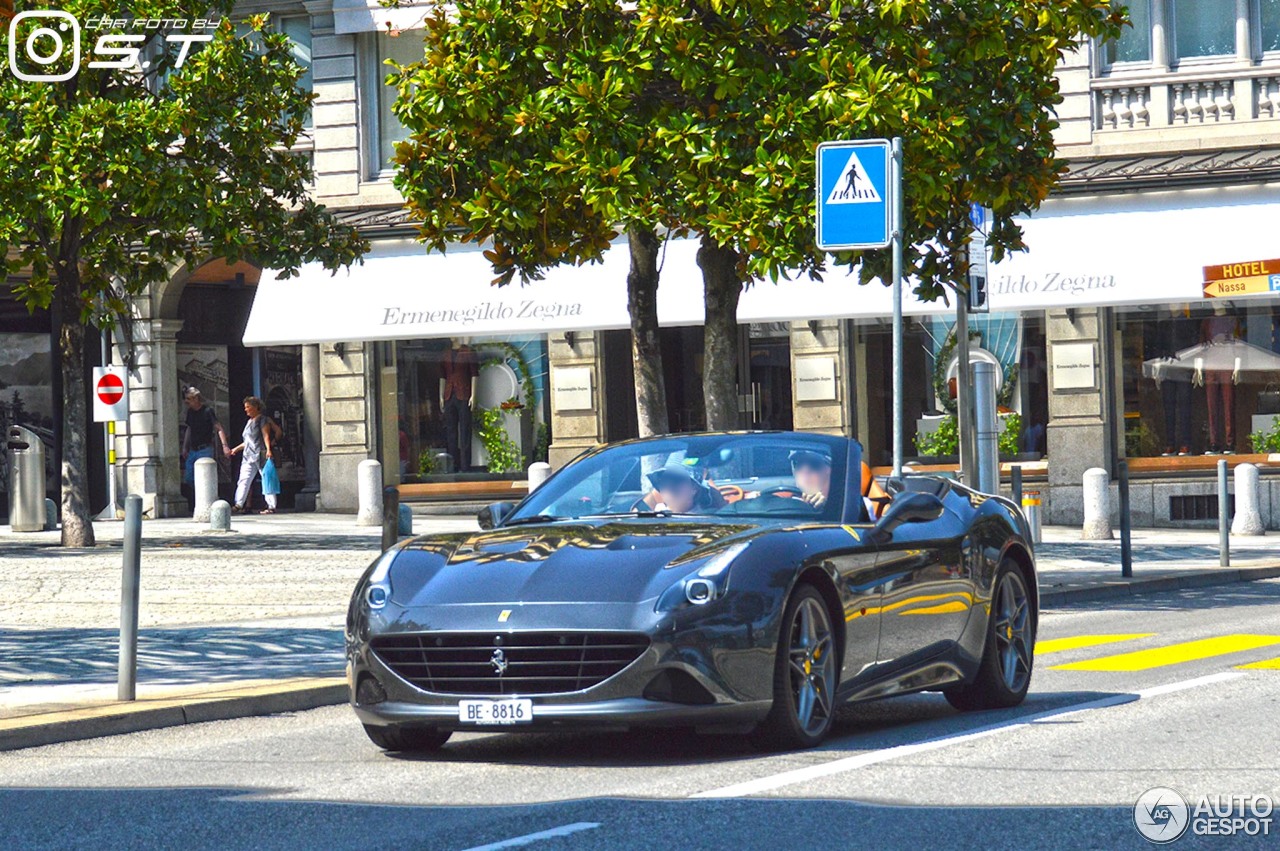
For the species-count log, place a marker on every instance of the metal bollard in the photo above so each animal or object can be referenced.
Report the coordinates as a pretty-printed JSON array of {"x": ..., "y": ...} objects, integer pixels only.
[
  {"x": 390, "y": 517},
  {"x": 1126, "y": 542},
  {"x": 1031, "y": 509},
  {"x": 406, "y": 520},
  {"x": 1247, "y": 519},
  {"x": 206, "y": 488},
  {"x": 369, "y": 487},
  {"x": 127, "y": 673},
  {"x": 1015, "y": 483},
  {"x": 1097, "y": 505},
  {"x": 51, "y": 515},
  {"x": 1224, "y": 509}
]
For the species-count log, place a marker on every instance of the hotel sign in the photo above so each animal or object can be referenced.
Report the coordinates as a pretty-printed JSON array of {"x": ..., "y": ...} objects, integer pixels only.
[{"x": 1234, "y": 280}]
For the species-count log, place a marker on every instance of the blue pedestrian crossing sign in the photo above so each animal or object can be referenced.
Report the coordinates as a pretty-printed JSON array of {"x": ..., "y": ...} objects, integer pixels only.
[{"x": 854, "y": 189}]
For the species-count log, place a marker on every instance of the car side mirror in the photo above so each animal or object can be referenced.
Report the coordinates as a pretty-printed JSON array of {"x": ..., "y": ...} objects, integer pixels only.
[
  {"x": 494, "y": 513},
  {"x": 910, "y": 507}
]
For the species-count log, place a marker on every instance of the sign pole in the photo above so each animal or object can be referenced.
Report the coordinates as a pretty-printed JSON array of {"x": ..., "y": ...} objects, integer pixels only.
[
  {"x": 111, "y": 512},
  {"x": 896, "y": 192}
]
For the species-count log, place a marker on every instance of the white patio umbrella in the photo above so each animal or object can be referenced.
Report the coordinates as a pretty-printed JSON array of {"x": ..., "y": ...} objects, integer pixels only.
[{"x": 1244, "y": 361}]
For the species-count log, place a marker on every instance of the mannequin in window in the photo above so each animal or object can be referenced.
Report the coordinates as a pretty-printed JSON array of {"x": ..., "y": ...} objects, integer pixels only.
[
  {"x": 1220, "y": 392},
  {"x": 457, "y": 397},
  {"x": 1174, "y": 332}
]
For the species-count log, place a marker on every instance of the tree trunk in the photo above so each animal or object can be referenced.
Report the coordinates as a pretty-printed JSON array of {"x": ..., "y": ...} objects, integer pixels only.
[
  {"x": 646, "y": 350},
  {"x": 721, "y": 289},
  {"x": 77, "y": 525}
]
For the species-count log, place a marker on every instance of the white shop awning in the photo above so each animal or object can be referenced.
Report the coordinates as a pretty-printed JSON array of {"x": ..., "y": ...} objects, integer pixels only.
[{"x": 1147, "y": 248}]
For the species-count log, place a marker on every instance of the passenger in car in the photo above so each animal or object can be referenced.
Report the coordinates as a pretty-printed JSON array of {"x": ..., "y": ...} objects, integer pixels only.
[
  {"x": 678, "y": 489},
  {"x": 812, "y": 469}
]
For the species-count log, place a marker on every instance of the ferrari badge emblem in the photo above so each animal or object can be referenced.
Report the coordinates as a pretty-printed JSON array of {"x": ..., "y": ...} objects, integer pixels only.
[{"x": 499, "y": 661}]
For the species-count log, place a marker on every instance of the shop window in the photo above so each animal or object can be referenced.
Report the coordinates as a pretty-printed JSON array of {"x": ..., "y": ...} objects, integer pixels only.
[
  {"x": 1014, "y": 343},
  {"x": 470, "y": 407},
  {"x": 1134, "y": 44},
  {"x": 1201, "y": 379}
]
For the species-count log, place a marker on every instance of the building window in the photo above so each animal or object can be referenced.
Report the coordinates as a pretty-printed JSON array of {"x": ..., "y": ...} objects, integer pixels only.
[
  {"x": 1269, "y": 24},
  {"x": 298, "y": 29},
  {"x": 1204, "y": 28},
  {"x": 1170, "y": 31},
  {"x": 1134, "y": 44},
  {"x": 403, "y": 50}
]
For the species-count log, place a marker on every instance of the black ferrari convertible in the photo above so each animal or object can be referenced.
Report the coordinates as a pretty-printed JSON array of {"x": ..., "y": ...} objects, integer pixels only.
[{"x": 745, "y": 582}]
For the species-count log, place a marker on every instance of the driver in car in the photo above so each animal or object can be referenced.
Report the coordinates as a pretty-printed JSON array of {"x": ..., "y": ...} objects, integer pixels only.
[{"x": 812, "y": 469}]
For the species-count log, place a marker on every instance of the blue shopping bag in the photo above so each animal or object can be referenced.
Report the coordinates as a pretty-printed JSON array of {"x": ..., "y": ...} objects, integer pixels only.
[{"x": 270, "y": 478}]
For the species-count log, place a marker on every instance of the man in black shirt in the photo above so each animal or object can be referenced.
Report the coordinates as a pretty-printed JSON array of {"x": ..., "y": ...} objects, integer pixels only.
[{"x": 197, "y": 443}]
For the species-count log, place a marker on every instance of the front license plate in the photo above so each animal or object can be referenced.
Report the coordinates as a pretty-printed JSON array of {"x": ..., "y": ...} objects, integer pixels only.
[{"x": 514, "y": 711}]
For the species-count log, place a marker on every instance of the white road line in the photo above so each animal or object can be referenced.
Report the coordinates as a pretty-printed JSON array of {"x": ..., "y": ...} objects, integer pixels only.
[
  {"x": 801, "y": 775},
  {"x": 530, "y": 838}
]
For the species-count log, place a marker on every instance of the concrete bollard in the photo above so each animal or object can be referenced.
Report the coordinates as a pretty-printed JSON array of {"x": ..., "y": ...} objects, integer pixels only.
[
  {"x": 1248, "y": 519},
  {"x": 206, "y": 485},
  {"x": 369, "y": 487},
  {"x": 406, "y": 520},
  {"x": 220, "y": 516},
  {"x": 539, "y": 471},
  {"x": 50, "y": 515},
  {"x": 1097, "y": 505}
]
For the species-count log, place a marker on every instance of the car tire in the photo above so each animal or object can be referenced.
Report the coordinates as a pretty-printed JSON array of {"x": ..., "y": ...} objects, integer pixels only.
[
  {"x": 1008, "y": 654},
  {"x": 805, "y": 676},
  {"x": 419, "y": 739}
]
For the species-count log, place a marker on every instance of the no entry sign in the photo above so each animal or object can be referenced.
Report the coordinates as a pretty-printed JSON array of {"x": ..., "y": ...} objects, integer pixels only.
[{"x": 110, "y": 396}]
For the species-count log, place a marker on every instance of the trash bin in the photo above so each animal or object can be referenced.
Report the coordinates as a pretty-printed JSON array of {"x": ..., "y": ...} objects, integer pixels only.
[{"x": 26, "y": 480}]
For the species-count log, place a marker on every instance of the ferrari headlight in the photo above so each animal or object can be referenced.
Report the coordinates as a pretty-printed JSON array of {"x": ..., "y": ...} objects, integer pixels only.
[
  {"x": 378, "y": 590},
  {"x": 710, "y": 582}
]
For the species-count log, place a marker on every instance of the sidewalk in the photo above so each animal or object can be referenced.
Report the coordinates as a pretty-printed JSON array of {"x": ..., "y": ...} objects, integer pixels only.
[{"x": 251, "y": 622}]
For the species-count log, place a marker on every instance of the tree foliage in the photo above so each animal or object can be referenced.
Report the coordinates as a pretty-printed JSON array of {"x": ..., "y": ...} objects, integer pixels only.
[
  {"x": 115, "y": 176},
  {"x": 548, "y": 125}
]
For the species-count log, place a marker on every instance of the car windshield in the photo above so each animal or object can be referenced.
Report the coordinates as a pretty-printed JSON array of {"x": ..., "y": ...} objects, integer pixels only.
[{"x": 786, "y": 476}]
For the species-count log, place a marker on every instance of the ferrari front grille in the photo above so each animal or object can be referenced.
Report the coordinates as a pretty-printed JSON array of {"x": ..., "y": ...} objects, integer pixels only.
[{"x": 508, "y": 663}]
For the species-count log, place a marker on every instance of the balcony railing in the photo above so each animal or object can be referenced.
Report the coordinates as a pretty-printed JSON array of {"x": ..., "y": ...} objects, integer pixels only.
[{"x": 1185, "y": 99}]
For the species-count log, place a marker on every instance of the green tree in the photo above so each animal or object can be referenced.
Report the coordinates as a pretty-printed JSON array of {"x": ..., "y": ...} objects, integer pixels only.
[
  {"x": 527, "y": 121},
  {"x": 115, "y": 176},
  {"x": 701, "y": 117}
]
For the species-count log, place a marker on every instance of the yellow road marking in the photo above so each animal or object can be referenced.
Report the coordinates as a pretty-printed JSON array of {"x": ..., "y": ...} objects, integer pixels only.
[
  {"x": 1188, "y": 651},
  {"x": 1075, "y": 642},
  {"x": 1265, "y": 664}
]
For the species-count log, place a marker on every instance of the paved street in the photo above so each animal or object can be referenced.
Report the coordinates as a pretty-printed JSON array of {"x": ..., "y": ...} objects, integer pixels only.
[{"x": 1179, "y": 689}]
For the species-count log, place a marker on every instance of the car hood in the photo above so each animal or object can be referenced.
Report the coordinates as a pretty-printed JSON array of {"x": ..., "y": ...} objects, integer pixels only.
[{"x": 583, "y": 561}]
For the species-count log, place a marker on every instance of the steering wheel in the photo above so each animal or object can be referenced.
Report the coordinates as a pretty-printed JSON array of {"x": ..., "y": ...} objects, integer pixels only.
[
  {"x": 731, "y": 493},
  {"x": 782, "y": 492}
]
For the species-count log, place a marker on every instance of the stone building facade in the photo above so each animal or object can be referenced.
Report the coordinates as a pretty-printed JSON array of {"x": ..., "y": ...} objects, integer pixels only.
[{"x": 1169, "y": 134}]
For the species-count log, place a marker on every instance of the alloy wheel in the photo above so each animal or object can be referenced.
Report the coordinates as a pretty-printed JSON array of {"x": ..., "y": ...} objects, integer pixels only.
[
  {"x": 812, "y": 666},
  {"x": 1013, "y": 631}
]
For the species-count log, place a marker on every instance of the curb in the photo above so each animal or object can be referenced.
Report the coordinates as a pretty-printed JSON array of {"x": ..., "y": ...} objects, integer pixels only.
[
  {"x": 1136, "y": 587},
  {"x": 118, "y": 718}
]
